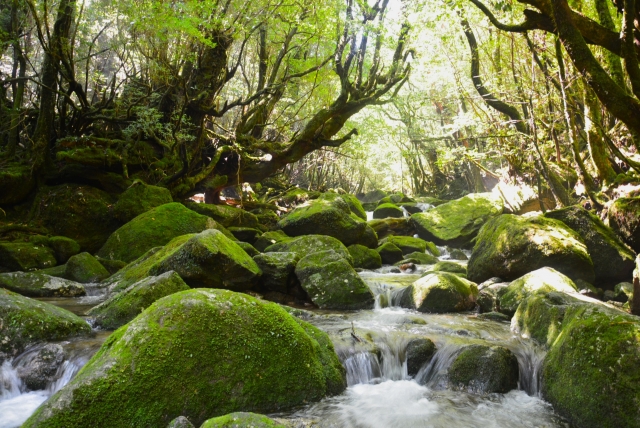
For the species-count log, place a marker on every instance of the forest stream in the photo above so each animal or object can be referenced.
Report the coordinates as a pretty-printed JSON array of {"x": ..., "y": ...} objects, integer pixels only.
[{"x": 380, "y": 391}]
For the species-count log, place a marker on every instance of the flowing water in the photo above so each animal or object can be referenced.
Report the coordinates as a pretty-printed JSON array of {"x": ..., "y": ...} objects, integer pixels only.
[{"x": 380, "y": 392}]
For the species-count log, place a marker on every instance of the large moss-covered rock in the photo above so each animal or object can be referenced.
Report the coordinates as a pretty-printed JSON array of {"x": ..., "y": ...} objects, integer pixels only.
[
  {"x": 392, "y": 226},
  {"x": 248, "y": 248},
  {"x": 82, "y": 213},
  {"x": 419, "y": 259},
  {"x": 419, "y": 352},
  {"x": 484, "y": 369},
  {"x": 324, "y": 217},
  {"x": 25, "y": 321},
  {"x": 140, "y": 198},
  {"x": 331, "y": 282},
  {"x": 364, "y": 258},
  {"x": 613, "y": 261},
  {"x": 84, "y": 268},
  {"x": 16, "y": 182},
  {"x": 241, "y": 420},
  {"x": 246, "y": 234},
  {"x": 510, "y": 246},
  {"x": 544, "y": 279},
  {"x": 277, "y": 270},
  {"x": 124, "y": 306},
  {"x": 206, "y": 259},
  {"x": 354, "y": 204},
  {"x": 63, "y": 248},
  {"x": 369, "y": 238},
  {"x": 387, "y": 210},
  {"x": 591, "y": 373},
  {"x": 198, "y": 353},
  {"x": 36, "y": 284},
  {"x": 225, "y": 215},
  {"x": 389, "y": 253},
  {"x": 152, "y": 229},
  {"x": 440, "y": 292},
  {"x": 457, "y": 222},
  {"x": 309, "y": 244},
  {"x": 408, "y": 244},
  {"x": 25, "y": 256}
]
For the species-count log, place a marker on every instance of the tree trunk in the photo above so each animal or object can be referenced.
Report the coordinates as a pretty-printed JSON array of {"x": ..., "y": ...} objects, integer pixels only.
[{"x": 597, "y": 147}]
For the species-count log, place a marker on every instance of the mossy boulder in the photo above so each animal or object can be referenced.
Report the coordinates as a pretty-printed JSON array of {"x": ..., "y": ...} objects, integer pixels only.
[
  {"x": 269, "y": 238},
  {"x": 241, "y": 420},
  {"x": 439, "y": 292},
  {"x": 140, "y": 198},
  {"x": 448, "y": 266},
  {"x": 408, "y": 244},
  {"x": 419, "y": 259},
  {"x": 510, "y": 246},
  {"x": 542, "y": 280},
  {"x": 419, "y": 352},
  {"x": 369, "y": 238},
  {"x": 248, "y": 248},
  {"x": 84, "y": 268},
  {"x": 354, "y": 204},
  {"x": 25, "y": 256},
  {"x": 613, "y": 261},
  {"x": 226, "y": 215},
  {"x": 392, "y": 226},
  {"x": 624, "y": 219},
  {"x": 309, "y": 244},
  {"x": 388, "y": 210},
  {"x": 331, "y": 282},
  {"x": 36, "y": 284},
  {"x": 395, "y": 198},
  {"x": 198, "y": 353},
  {"x": 324, "y": 217},
  {"x": 389, "y": 253},
  {"x": 457, "y": 254},
  {"x": 112, "y": 266},
  {"x": 457, "y": 222},
  {"x": 482, "y": 369},
  {"x": 591, "y": 373},
  {"x": 82, "y": 213},
  {"x": 24, "y": 322},
  {"x": 152, "y": 229},
  {"x": 364, "y": 258},
  {"x": 277, "y": 270},
  {"x": 124, "y": 306},
  {"x": 63, "y": 248}
]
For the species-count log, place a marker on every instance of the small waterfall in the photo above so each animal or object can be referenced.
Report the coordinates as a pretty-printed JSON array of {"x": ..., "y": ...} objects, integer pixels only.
[
  {"x": 10, "y": 383},
  {"x": 424, "y": 206},
  {"x": 530, "y": 358},
  {"x": 434, "y": 374},
  {"x": 362, "y": 367},
  {"x": 444, "y": 252}
]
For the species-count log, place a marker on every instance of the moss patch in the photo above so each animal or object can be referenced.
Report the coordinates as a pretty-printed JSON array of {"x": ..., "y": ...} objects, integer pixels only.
[
  {"x": 241, "y": 420},
  {"x": 25, "y": 256},
  {"x": 138, "y": 199},
  {"x": 225, "y": 215},
  {"x": 84, "y": 268},
  {"x": 484, "y": 369},
  {"x": 387, "y": 210},
  {"x": 365, "y": 258},
  {"x": 309, "y": 244},
  {"x": 440, "y": 292}
]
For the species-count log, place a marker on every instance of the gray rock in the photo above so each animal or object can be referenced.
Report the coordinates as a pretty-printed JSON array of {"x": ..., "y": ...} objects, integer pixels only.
[{"x": 40, "y": 369}]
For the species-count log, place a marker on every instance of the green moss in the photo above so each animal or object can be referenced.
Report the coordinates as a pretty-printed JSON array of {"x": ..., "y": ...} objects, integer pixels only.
[
  {"x": 269, "y": 238},
  {"x": 419, "y": 259},
  {"x": 392, "y": 226},
  {"x": 63, "y": 248},
  {"x": 25, "y": 321},
  {"x": 112, "y": 266},
  {"x": 614, "y": 261},
  {"x": 440, "y": 292},
  {"x": 541, "y": 280},
  {"x": 369, "y": 238},
  {"x": 354, "y": 204},
  {"x": 277, "y": 270},
  {"x": 152, "y": 229},
  {"x": 84, "y": 268},
  {"x": 365, "y": 258},
  {"x": 82, "y": 213},
  {"x": 25, "y": 256},
  {"x": 389, "y": 253},
  {"x": 457, "y": 222},
  {"x": 246, "y": 234},
  {"x": 388, "y": 210},
  {"x": 241, "y": 420},
  {"x": 624, "y": 219},
  {"x": 332, "y": 218},
  {"x": 451, "y": 267},
  {"x": 138, "y": 199},
  {"x": 331, "y": 282},
  {"x": 16, "y": 182},
  {"x": 419, "y": 352},
  {"x": 127, "y": 304},
  {"x": 510, "y": 246},
  {"x": 197, "y": 353},
  {"x": 408, "y": 244},
  {"x": 484, "y": 369},
  {"x": 248, "y": 248},
  {"x": 309, "y": 244},
  {"x": 591, "y": 374}
]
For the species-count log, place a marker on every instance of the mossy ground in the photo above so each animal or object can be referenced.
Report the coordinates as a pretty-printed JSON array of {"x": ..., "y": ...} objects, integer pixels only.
[{"x": 200, "y": 354}]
